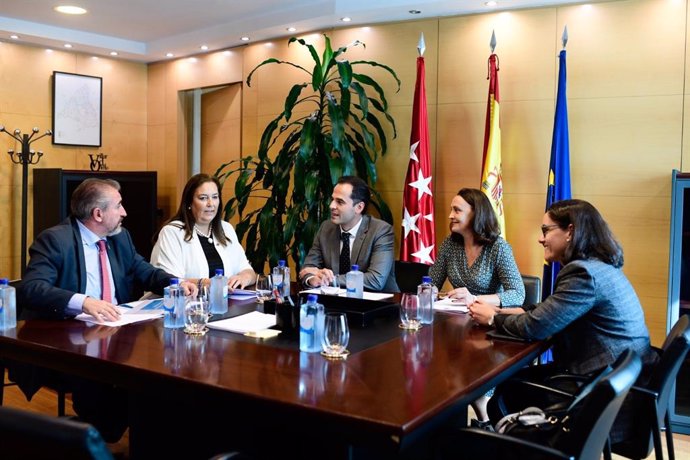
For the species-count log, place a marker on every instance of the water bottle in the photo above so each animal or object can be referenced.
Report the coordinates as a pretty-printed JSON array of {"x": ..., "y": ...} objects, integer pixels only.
[
  {"x": 425, "y": 292},
  {"x": 218, "y": 302},
  {"x": 354, "y": 282},
  {"x": 173, "y": 305},
  {"x": 281, "y": 278},
  {"x": 311, "y": 324},
  {"x": 8, "y": 305}
]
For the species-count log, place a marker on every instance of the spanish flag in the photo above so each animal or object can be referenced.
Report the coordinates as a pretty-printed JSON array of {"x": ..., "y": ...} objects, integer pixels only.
[{"x": 492, "y": 176}]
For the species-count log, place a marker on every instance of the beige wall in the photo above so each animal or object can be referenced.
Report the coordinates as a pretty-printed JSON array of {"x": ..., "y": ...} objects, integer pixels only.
[
  {"x": 627, "y": 74},
  {"x": 26, "y": 101}
]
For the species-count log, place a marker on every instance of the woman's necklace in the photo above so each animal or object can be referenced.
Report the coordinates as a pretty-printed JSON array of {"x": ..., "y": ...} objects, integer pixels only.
[{"x": 205, "y": 235}]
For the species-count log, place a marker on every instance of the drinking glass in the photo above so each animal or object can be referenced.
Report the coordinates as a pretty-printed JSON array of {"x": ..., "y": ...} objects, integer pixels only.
[
  {"x": 409, "y": 312},
  {"x": 336, "y": 336},
  {"x": 264, "y": 288},
  {"x": 332, "y": 288},
  {"x": 196, "y": 315}
]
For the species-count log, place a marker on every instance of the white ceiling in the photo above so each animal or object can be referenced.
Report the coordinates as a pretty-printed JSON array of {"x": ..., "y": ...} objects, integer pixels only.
[{"x": 145, "y": 30}]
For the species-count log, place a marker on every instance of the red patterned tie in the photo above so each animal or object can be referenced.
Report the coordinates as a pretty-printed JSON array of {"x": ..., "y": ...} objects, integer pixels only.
[{"x": 105, "y": 275}]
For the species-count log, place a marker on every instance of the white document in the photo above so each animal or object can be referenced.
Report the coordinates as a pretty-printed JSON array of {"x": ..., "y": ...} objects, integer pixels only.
[
  {"x": 248, "y": 323},
  {"x": 451, "y": 305},
  {"x": 343, "y": 293},
  {"x": 241, "y": 294},
  {"x": 133, "y": 312}
]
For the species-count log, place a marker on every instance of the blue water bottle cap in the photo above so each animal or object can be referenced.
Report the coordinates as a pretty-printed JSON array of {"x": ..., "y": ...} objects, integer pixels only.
[
  {"x": 426, "y": 279},
  {"x": 281, "y": 263},
  {"x": 312, "y": 298},
  {"x": 219, "y": 271},
  {"x": 355, "y": 267},
  {"x": 174, "y": 281},
  {"x": 4, "y": 281}
]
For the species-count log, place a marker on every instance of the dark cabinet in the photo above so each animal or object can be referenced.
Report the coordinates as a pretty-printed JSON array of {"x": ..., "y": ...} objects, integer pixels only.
[
  {"x": 679, "y": 291},
  {"x": 53, "y": 190}
]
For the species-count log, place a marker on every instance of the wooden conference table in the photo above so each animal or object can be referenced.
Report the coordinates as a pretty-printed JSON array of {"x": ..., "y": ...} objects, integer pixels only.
[{"x": 192, "y": 397}]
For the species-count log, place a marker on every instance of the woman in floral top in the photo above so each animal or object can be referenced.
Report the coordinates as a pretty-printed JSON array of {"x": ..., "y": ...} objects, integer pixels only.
[
  {"x": 478, "y": 263},
  {"x": 474, "y": 258}
]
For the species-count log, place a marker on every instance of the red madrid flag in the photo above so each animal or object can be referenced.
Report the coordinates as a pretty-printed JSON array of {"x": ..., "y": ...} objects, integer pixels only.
[{"x": 418, "y": 241}]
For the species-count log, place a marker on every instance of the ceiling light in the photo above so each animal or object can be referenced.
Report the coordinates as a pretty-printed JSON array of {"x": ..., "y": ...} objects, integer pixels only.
[
  {"x": 113, "y": 53},
  {"x": 346, "y": 19},
  {"x": 414, "y": 11},
  {"x": 14, "y": 37},
  {"x": 169, "y": 55},
  {"x": 70, "y": 9},
  {"x": 204, "y": 47},
  {"x": 67, "y": 45},
  {"x": 244, "y": 39},
  {"x": 491, "y": 3},
  {"x": 291, "y": 29}
]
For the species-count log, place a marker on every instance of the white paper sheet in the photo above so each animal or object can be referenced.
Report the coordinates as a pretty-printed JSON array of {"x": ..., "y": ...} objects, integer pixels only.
[
  {"x": 450, "y": 305},
  {"x": 135, "y": 312},
  {"x": 250, "y": 322}
]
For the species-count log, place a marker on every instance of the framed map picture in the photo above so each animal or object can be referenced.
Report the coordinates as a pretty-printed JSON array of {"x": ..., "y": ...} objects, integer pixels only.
[{"x": 77, "y": 109}]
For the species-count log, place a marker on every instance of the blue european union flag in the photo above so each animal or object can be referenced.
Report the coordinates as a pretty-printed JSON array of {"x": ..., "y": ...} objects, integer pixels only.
[{"x": 559, "y": 167}]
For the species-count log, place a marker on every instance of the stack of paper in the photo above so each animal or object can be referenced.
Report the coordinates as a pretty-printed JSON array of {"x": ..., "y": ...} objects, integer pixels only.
[
  {"x": 132, "y": 312},
  {"x": 250, "y": 323},
  {"x": 451, "y": 305}
]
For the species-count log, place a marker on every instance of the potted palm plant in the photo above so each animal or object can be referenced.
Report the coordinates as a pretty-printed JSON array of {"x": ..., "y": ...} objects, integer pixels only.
[{"x": 299, "y": 159}]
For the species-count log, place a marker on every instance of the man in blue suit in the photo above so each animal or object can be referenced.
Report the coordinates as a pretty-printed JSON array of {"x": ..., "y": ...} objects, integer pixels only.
[
  {"x": 67, "y": 275},
  {"x": 369, "y": 241}
]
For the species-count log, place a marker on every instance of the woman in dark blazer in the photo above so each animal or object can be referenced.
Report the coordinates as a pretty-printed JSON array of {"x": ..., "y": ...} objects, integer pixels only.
[{"x": 593, "y": 314}]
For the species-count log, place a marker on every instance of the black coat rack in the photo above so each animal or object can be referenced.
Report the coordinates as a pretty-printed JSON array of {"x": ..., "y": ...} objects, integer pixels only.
[{"x": 25, "y": 158}]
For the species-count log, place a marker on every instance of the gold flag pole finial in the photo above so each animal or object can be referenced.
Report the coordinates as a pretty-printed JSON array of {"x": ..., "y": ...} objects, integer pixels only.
[
  {"x": 564, "y": 37},
  {"x": 492, "y": 43},
  {"x": 421, "y": 46}
]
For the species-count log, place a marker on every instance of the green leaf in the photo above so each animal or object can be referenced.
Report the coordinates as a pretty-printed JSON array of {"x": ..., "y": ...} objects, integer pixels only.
[
  {"x": 383, "y": 66},
  {"x": 367, "y": 80},
  {"x": 373, "y": 121},
  {"x": 272, "y": 61},
  {"x": 345, "y": 103},
  {"x": 337, "y": 123},
  {"x": 291, "y": 99},
  {"x": 377, "y": 105},
  {"x": 327, "y": 57},
  {"x": 266, "y": 137},
  {"x": 363, "y": 99},
  {"x": 345, "y": 72}
]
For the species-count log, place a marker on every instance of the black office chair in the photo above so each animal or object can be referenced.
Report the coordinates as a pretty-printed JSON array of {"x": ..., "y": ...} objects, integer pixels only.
[
  {"x": 60, "y": 388},
  {"x": 651, "y": 402},
  {"x": 409, "y": 275},
  {"x": 591, "y": 421},
  {"x": 31, "y": 435},
  {"x": 532, "y": 289}
]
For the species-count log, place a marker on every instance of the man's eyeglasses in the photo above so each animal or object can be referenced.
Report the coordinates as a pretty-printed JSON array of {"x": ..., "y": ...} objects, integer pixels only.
[{"x": 547, "y": 228}]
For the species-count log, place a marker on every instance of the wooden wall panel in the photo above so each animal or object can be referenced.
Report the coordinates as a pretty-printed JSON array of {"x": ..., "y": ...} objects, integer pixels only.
[{"x": 627, "y": 86}]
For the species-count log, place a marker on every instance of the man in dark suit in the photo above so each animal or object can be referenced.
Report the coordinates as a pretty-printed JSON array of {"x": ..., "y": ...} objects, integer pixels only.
[
  {"x": 88, "y": 264},
  {"x": 351, "y": 237}
]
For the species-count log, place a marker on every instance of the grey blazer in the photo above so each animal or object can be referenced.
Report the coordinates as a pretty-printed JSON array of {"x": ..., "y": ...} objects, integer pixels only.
[
  {"x": 372, "y": 250},
  {"x": 593, "y": 316}
]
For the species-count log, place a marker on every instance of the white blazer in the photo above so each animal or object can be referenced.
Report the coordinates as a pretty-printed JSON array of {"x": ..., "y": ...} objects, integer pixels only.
[{"x": 186, "y": 259}]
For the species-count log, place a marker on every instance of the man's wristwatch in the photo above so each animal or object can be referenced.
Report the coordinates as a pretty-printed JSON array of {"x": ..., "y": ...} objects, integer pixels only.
[{"x": 491, "y": 320}]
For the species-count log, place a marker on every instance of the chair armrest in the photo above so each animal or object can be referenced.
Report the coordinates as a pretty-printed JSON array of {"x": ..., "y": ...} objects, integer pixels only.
[
  {"x": 473, "y": 443},
  {"x": 645, "y": 392},
  {"x": 534, "y": 386}
]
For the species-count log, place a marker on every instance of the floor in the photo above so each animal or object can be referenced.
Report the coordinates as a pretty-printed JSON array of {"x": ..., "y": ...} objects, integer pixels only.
[{"x": 45, "y": 401}]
